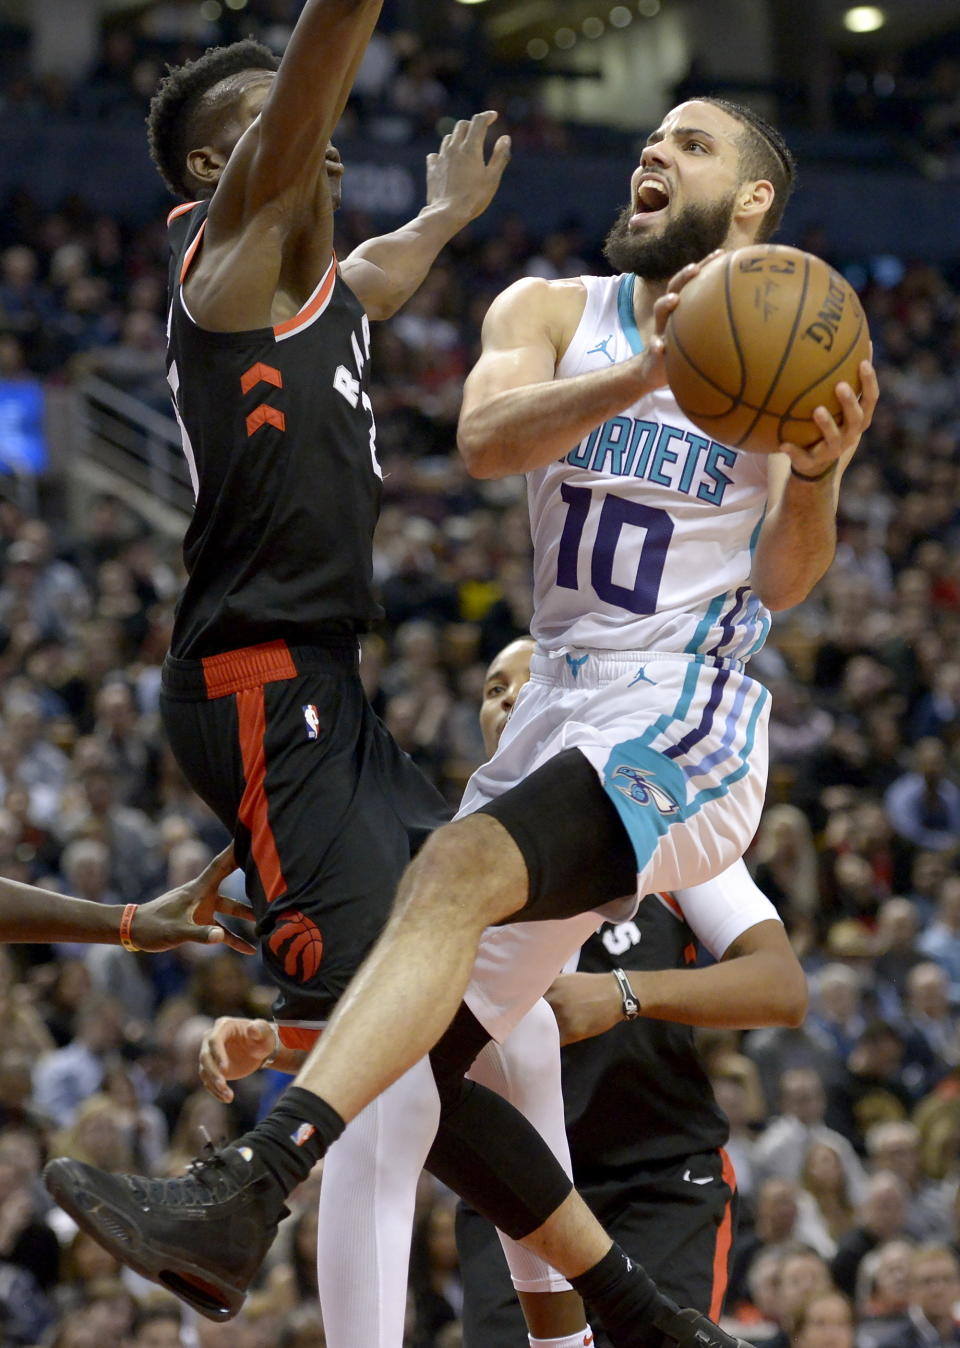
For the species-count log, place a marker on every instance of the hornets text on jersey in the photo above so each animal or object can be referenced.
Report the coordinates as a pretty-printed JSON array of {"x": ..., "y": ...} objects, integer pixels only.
[
  {"x": 644, "y": 532},
  {"x": 279, "y": 436}
]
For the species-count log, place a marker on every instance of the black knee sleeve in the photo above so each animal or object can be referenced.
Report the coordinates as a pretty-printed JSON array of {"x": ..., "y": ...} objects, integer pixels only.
[
  {"x": 485, "y": 1150},
  {"x": 577, "y": 851}
]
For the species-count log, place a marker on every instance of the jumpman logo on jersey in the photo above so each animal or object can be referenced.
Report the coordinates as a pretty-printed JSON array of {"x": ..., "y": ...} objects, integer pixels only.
[
  {"x": 641, "y": 678},
  {"x": 601, "y": 349},
  {"x": 576, "y": 665}
]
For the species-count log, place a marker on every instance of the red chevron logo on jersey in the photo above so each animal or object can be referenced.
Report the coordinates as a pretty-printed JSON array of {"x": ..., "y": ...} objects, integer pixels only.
[
  {"x": 263, "y": 414},
  {"x": 260, "y": 374},
  {"x": 298, "y": 943}
]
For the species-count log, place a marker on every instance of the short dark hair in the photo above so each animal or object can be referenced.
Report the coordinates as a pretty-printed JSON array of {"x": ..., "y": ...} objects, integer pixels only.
[
  {"x": 763, "y": 154},
  {"x": 175, "y": 122}
]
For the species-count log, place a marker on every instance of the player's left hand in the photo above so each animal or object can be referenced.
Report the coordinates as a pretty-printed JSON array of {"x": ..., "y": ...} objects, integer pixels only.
[
  {"x": 188, "y": 912},
  {"x": 584, "y": 1005},
  {"x": 840, "y": 439},
  {"x": 458, "y": 176}
]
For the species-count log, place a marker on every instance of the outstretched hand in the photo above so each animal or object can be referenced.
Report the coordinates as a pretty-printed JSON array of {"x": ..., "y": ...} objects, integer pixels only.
[
  {"x": 187, "y": 913},
  {"x": 458, "y": 175},
  {"x": 234, "y": 1047}
]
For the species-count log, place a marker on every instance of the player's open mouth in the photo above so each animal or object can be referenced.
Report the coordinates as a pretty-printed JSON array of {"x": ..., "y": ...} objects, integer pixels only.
[
  {"x": 652, "y": 199},
  {"x": 334, "y": 163}
]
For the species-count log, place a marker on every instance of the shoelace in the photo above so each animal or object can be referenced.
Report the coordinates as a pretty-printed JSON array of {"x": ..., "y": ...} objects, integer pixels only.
[{"x": 208, "y": 1180}]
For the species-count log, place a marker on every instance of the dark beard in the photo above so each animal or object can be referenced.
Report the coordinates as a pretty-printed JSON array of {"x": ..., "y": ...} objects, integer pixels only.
[{"x": 694, "y": 233}]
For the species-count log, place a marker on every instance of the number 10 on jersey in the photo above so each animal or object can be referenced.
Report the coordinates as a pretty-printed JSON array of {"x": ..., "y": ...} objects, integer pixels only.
[{"x": 650, "y": 553}]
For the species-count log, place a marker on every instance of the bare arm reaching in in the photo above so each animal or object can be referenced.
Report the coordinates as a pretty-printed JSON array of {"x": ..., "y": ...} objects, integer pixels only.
[
  {"x": 269, "y": 230},
  {"x": 385, "y": 271},
  {"x": 184, "y": 914},
  {"x": 758, "y": 982}
]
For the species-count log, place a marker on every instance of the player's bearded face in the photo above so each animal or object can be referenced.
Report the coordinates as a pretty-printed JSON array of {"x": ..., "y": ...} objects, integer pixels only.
[{"x": 693, "y": 232}]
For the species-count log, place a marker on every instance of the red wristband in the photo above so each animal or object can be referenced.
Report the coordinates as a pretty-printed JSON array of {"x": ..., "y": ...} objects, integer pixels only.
[{"x": 126, "y": 928}]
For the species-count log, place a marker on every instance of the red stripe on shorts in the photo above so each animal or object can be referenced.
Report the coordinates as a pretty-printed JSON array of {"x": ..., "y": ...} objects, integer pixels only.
[
  {"x": 721, "y": 1254},
  {"x": 254, "y": 812}
]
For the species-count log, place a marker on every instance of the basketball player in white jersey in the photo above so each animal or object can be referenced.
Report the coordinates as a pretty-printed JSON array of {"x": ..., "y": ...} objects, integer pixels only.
[
  {"x": 370, "y": 1177},
  {"x": 635, "y": 758}
]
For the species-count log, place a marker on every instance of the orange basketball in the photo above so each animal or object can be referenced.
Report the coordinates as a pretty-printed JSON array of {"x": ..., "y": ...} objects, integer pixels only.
[{"x": 761, "y": 337}]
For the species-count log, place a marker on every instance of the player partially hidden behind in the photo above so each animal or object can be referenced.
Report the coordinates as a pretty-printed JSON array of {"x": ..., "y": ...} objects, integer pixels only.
[
  {"x": 646, "y": 1136},
  {"x": 635, "y": 759}
]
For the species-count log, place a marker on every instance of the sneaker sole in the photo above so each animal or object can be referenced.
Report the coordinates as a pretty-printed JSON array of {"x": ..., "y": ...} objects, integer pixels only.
[{"x": 115, "y": 1231}]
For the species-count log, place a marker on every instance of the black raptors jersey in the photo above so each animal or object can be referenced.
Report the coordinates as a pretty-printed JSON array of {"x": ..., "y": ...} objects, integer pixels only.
[
  {"x": 644, "y": 1072},
  {"x": 279, "y": 436}
]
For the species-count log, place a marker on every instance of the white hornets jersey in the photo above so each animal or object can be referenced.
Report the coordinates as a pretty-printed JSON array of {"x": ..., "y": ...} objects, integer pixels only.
[{"x": 644, "y": 533}]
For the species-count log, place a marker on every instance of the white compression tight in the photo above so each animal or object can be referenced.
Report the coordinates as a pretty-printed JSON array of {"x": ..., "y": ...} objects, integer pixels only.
[
  {"x": 367, "y": 1201},
  {"x": 370, "y": 1179},
  {"x": 525, "y": 1069}
]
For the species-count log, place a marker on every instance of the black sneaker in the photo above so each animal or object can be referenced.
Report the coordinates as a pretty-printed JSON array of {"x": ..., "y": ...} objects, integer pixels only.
[
  {"x": 203, "y": 1236},
  {"x": 691, "y": 1329}
]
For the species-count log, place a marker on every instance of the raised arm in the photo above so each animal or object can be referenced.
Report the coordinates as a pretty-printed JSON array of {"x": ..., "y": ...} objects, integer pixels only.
[
  {"x": 307, "y": 97},
  {"x": 384, "y": 272},
  {"x": 799, "y": 534}
]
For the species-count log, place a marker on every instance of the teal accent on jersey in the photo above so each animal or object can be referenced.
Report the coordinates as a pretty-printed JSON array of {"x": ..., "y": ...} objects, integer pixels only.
[
  {"x": 723, "y": 787},
  {"x": 646, "y": 813},
  {"x": 646, "y": 821},
  {"x": 764, "y": 631},
  {"x": 690, "y": 681},
  {"x": 625, "y": 312},
  {"x": 706, "y": 623}
]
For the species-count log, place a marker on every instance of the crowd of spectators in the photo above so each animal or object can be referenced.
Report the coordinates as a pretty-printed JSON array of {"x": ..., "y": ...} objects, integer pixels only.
[
  {"x": 412, "y": 80},
  {"x": 415, "y": 76},
  {"x": 845, "y": 1133}
]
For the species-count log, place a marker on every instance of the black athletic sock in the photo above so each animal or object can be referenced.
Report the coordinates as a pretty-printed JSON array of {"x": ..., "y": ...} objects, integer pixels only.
[
  {"x": 294, "y": 1135},
  {"x": 626, "y": 1299}
]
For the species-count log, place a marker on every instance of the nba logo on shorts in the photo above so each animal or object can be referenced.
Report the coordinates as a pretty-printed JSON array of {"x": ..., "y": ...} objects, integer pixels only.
[{"x": 312, "y": 718}]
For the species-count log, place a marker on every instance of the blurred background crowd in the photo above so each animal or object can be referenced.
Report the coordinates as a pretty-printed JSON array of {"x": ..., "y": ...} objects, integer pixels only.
[{"x": 845, "y": 1133}]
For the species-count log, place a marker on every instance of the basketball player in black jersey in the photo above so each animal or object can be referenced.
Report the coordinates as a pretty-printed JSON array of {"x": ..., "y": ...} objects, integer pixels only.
[{"x": 268, "y": 366}]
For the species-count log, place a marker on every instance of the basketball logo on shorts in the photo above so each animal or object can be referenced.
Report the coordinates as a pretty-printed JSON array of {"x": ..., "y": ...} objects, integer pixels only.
[
  {"x": 644, "y": 791},
  {"x": 312, "y": 718},
  {"x": 298, "y": 943}
]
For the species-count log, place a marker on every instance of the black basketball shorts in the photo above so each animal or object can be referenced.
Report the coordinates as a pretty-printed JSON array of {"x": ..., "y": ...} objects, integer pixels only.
[
  {"x": 677, "y": 1219},
  {"x": 324, "y": 808}
]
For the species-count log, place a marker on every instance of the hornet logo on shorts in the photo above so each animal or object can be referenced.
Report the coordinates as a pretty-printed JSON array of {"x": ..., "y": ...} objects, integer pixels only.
[
  {"x": 642, "y": 790},
  {"x": 312, "y": 718}
]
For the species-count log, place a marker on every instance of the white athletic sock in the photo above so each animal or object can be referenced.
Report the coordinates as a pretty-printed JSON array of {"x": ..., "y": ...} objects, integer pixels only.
[{"x": 582, "y": 1339}]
